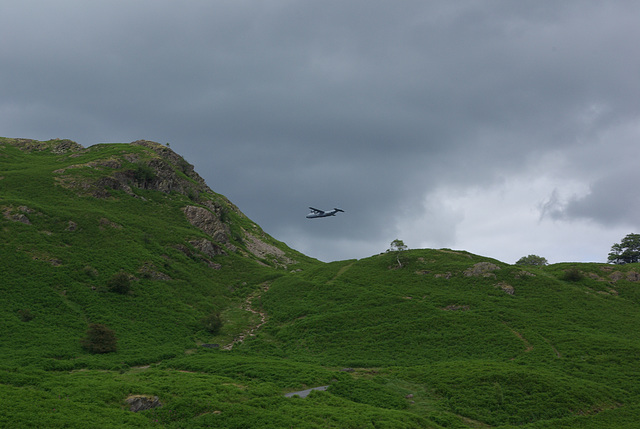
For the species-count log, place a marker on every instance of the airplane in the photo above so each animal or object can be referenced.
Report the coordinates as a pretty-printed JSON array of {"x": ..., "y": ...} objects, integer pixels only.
[{"x": 321, "y": 213}]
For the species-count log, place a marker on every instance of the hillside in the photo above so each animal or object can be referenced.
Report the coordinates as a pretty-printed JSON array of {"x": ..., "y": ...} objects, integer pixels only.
[{"x": 215, "y": 320}]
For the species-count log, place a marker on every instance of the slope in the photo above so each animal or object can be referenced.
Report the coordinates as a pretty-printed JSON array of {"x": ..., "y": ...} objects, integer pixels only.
[
  {"x": 491, "y": 342},
  {"x": 73, "y": 218}
]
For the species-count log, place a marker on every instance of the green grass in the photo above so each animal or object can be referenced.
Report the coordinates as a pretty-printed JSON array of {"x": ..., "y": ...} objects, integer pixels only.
[{"x": 423, "y": 346}]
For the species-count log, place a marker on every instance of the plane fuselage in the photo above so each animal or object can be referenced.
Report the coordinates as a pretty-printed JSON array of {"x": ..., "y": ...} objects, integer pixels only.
[{"x": 321, "y": 213}]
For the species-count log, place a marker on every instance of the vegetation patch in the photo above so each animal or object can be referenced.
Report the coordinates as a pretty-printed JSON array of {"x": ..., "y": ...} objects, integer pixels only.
[{"x": 137, "y": 284}]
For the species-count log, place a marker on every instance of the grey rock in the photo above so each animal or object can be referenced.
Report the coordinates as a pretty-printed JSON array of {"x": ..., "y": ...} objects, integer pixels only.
[{"x": 142, "y": 402}]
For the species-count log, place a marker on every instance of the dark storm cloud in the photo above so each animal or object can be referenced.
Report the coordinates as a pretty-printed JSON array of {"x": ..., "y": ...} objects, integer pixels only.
[
  {"x": 612, "y": 200},
  {"x": 376, "y": 107}
]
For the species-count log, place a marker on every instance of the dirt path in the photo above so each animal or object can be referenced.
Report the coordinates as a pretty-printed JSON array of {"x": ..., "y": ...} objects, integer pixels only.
[
  {"x": 558, "y": 355},
  {"x": 248, "y": 306},
  {"x": 527, "y": 344},
  {"x": 341, "y": 271}
]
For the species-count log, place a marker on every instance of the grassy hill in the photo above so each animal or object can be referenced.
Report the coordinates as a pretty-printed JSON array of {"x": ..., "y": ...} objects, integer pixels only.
[{"x": 128, "y": 236}]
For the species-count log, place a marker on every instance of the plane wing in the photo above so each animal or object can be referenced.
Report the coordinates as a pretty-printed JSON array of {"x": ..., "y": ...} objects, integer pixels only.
[{"x": 317, "y": 210}]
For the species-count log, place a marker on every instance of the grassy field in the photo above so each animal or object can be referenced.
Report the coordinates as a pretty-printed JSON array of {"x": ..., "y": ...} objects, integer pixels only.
[{"x": 448, "y": 340}]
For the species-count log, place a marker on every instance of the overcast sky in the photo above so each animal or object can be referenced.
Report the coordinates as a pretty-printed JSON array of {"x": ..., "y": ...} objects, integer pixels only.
[{"x": 505, "y": 128}]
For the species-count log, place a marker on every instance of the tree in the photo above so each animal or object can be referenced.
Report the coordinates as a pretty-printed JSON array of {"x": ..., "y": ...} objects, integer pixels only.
[
  {"x": 627, "y": 251},
  {"x": 532, "y": 260},
  {"x": 99, "y": 339},
  {"x": 397, "y": 246}
]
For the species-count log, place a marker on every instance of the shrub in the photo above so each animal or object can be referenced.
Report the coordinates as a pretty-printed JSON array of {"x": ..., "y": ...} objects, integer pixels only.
[
  {"x": 572, "y": 275},
  {"x": 25, "y": 315},
  {"x": 99, "y": 339},
  {"x": 193, "y": 195},
  {"x": 532, "y": 260},
  {"x": 90, "y": 271},
  {"x": 119, "y": 283},
  {"x": 144, "y": 173},
  {"x": 212, "y": 323}
]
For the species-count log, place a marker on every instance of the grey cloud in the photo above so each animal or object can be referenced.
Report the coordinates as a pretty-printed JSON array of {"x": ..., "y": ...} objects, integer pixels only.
[
  {"x": 368, "y": 105},
  {"x": 613, "y": 200}
]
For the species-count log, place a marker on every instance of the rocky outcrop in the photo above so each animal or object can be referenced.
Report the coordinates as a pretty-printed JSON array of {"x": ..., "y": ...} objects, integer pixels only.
[
  {"x": 631, "y": 276},
  {"x": 174, "y": 160},
  {"x": 160, "y": 169},
  {"x": 149, "y": 270},
  {"x": 445, "y": 276},
  {"x": 265, "y": 250},
  {"x": 106, "y": 223},
  {"x": 142, "y": 402},
  {"x": 207, "y": 248},
  {"x": 481, "y": 269},
  {"x": 169, "y": 170},
  {"x": 55, "y": 146},
  {"x": 523, "y": 274},
  {"x": 506, "y": 288},
  {"x": 208, "y": 222},
  {"x": 18, "y": 215}
]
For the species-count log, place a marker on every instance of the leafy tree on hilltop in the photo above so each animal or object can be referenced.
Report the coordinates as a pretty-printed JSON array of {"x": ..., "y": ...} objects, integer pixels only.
[
  {"x": 397, "y": 246},
  {"x": 627, "y": 251},
  {"x": 532, "y": 260}
]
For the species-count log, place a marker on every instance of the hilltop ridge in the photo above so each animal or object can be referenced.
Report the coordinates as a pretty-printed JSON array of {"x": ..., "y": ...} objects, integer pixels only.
[{"x": 102, "y": 171}]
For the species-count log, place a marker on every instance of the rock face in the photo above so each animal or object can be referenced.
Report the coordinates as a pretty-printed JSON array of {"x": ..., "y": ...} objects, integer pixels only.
[
  {"x": 631, "y": 276},
  {"x": 160, "y": 169},
  {"x": 142, "y": 402},
  {"x": 265, "y": 250},
  {"x": 260, "y": 248},
  {"x": 56, "y": 146},
  {"x": 208, "y": 222},
  {"x": 207, "y": 248},
  {"x": 481, "y": 269},
  {"x": 506, "y": 288},
  {"x": 173, "y": 158},
  {"x": 17, "y": 215}
]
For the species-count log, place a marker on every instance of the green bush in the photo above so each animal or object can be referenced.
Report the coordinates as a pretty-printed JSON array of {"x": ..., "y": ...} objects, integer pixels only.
[
  {"x": 99, "y": 339},
  {"x": 119, "y": 283},
  {"x": 572, "y": 275},
  {"x": 212, "y": 323},
  {"x": 144, "y": 173},
  {"x": 25, "y": 315},
  {"x": 533, "y": 260},
  {"x": 90, "y": 272}
]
